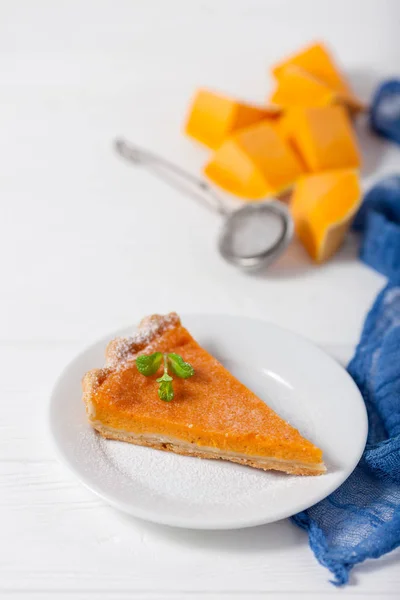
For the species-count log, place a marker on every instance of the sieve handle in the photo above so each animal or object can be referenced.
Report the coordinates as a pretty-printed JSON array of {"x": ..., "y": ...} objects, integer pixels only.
[{"x": 199, "y": 188}]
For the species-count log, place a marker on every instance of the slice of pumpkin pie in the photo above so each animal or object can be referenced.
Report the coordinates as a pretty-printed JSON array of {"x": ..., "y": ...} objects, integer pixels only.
[{"x": 211, "y": 415}]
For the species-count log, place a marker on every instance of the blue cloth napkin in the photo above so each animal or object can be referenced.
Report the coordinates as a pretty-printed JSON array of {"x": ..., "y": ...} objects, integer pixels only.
[
  {"x": 379, "y": 221},
  {"x": 361, "y": 519},
  {"x": 385, "y": 110},
  {"x": 379, "y": 216}
]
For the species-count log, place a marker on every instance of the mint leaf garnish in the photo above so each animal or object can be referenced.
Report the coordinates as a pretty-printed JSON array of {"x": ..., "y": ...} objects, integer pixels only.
[
  {"x": 179, "y": 367},
  {"x": 148, "y": 365},
  {"x": 166, "y": 391},
  {"x": 165, "y": 377}
]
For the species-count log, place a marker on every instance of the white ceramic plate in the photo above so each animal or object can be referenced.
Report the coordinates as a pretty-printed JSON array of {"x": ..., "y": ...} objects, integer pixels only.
[{"x": 303, "y": 384}]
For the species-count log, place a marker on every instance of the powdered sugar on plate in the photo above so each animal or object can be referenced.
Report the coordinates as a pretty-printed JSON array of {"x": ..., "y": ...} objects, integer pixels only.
[{"x": 190, "y": 479}]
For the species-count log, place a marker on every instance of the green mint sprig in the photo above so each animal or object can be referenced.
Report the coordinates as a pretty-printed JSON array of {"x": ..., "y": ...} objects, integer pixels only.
[{"x": 149, "y": 364}]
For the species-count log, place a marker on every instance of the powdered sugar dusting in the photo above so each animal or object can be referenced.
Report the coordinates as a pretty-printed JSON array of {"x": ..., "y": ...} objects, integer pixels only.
[
  {"x": 188, "y": 479},
  {"x": 122, "y": 350}
]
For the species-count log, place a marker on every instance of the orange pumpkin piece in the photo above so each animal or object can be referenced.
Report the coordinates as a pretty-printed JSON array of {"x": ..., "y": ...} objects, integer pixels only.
[
  {"x": 316, "y": 60},
  {"x": 323, "y": 206},
  {"x": 296, "y": 87},
  {"x": 324, "y": 137},
  {"x": 213, "y": 117},
  {"x": 284, "y": 126},
  {"x": 253, "y": 163}
]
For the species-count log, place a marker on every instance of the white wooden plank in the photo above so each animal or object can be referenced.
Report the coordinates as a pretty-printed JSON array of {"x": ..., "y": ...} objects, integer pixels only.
[
  {"x": 24, "y": 434},
  {"x": 28, "y": 375},
  {"x": 33, "y": 367},
  {"x": 59, "y": 537},
  {"x": 332, "y": 302},
  {"x": 187, "y": 595}
]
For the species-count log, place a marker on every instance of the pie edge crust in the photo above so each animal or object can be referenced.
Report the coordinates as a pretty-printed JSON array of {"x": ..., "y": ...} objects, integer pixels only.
[{"x": 122, "y": 350}]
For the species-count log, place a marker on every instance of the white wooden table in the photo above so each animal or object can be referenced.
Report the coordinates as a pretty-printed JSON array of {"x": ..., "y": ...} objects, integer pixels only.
[{"x": 89, "y": 245}]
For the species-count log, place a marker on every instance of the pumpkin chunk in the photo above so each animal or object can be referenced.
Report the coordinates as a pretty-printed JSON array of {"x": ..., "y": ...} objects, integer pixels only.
[
  {"x": 296, "y": 87},
  {"x": 316, "y": 60},
  {"x": 324, "y": 137},
  {"x": 213, "y": 117},
  {"x": 253, "y": 163},
  {"x": 323, "y": 206}
]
